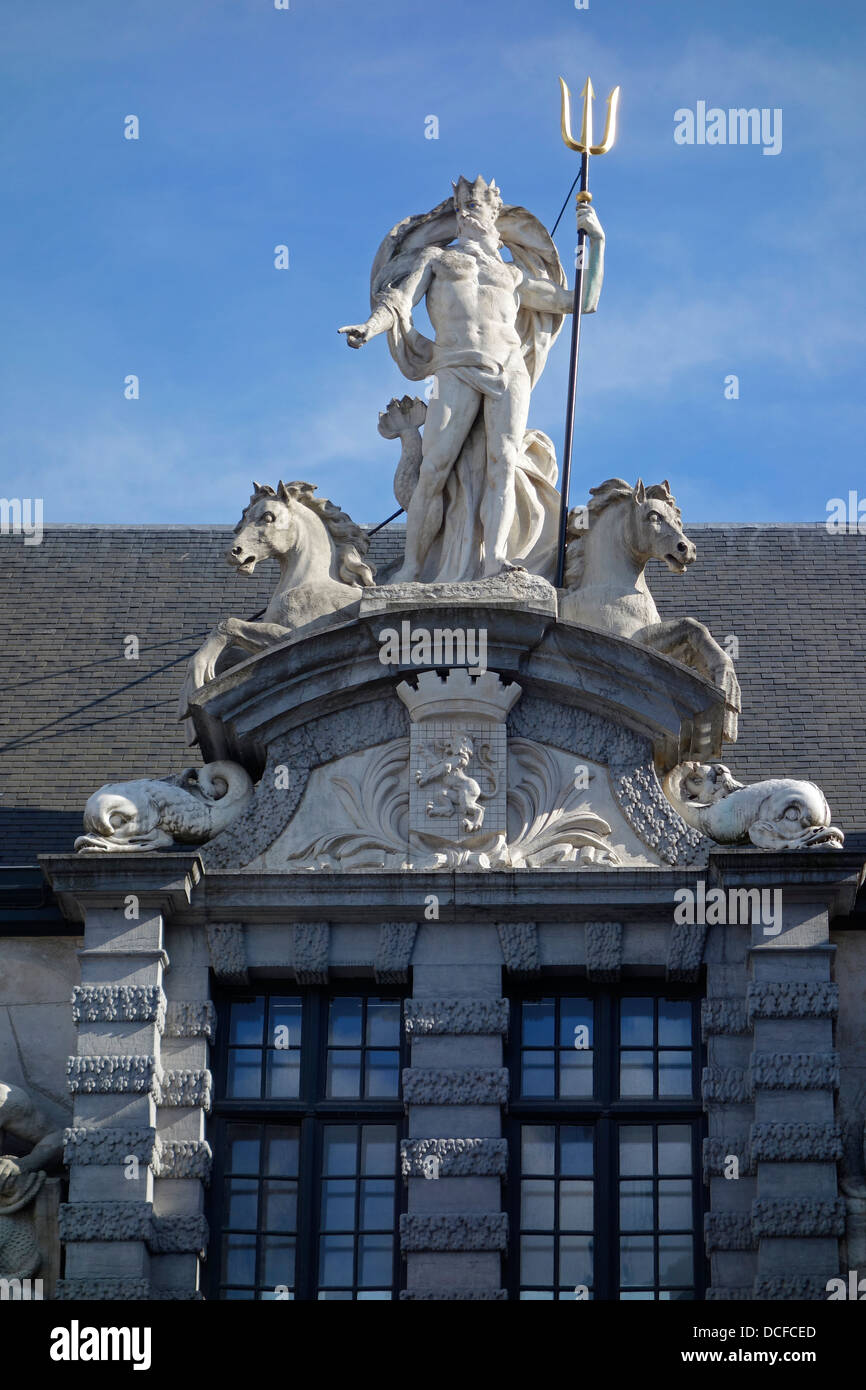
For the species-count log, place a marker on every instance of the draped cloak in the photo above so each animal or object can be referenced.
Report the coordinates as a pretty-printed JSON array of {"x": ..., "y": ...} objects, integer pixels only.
[{"x": 456, "y": 553}]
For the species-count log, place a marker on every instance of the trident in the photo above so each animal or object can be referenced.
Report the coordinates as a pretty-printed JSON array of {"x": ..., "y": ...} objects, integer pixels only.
[{"x": 585, "y": 148}]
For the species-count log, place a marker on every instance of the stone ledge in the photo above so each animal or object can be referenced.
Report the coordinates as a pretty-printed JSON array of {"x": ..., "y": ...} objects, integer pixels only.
[
  {"x": 468, "y": 1086},
  {"x": 457, "y": 1017},
  {"x": 792, "y": 999},
  {"x": 798, "y": 1216},
  {"x": 118, "y": 1004},
  {"x": 454, "y": 1158},
  {"x": 795, "y": 1142},
  {"x": 454, "y": 1231},
  {"x": 454, "y": 1293}
]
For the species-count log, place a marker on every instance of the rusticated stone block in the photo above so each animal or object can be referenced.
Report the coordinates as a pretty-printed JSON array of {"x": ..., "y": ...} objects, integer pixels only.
[
  {"x": 718, "y": 1293},
  {"x": 685, "y": 951},
  {"x": 728, "y": 1230},
  {"x": 101, "y": 1290},
  {"x": 717, "y": 1153},
  {"x": 312, "y": 944},
  {"x": 456, "y": 1293},
  {"x": 186, "y": 1087},
  {"x": 603, "y": 951},
  {"x": 185, "y": 1158},
  {"x": 459, "y": 1017},
  {"x": 725, "y": 1086},
  {"x": 394, "y": 952},
  {"x": 86, "y": 1221},
  {"x": 111, "y": 1074},
  {"x": 109, "y": 1146},
  {"x": 724, "y": 1015},
  {"x": 798, "y": 1216},
  {"x": 795, "y": 1142},
  {"x": 795, "y": 1071},
  {"x": 190, "y": 1018},
  {"x": 787, "y": 1288},
  {"x": 118, "y": 1004},
  {"x": 468, "y": 1086},
  {"x": 173, "y": 1235},
  {"x": 793, "y": 999},
  {"x": 454, "y": 1231},
  {"x": 519, "y": 942},
  {"x": 454, "y": 1158},
  {"x": 228, "y": 952}
]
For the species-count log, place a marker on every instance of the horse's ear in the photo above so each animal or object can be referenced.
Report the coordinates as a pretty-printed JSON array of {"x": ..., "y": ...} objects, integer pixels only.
[
  {"x": 283, "y": 492},
  {"x": 639, "y": 491}
]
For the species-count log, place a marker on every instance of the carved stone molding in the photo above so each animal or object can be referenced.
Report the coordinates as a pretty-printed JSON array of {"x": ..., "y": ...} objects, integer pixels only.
[
  {"x": 171, "y": 1293},
  {"x": 795, "y": 1142},
  {"x": 685, "y": 951},
  {"x": 786, "y": 1288},
  {"x": 519, "y": 942},
  {"x": 728, "y": 1230},
  {"x": 454, "y": 1232},
  {"x": 394, "y": 952},
  {"x": 173, "y": 1235},
  {"x": 455, "y": 1293},
  {"x": 105, "y": 1147},
  {"x": 89, "y": 1075},
  {"x": 101, "y": 1290},
  {"x": 457, "y": 1017},
  {"x": 468, "y": 1086},
  {"x": 793, "y": 999},
  {"x": 312, "y": 943},
  {"x": 725, "y": 1086},
  {"x": 717, "y": 1152},
  {"x": 723, "y": 1015},
  {"x": 798, "y": 1216},
  {"x": 454, "y": 1158},
  {"x": 717, "y": 1293},
  {"x": 118, "y": 1004},
  {"x": 603, "y": 951},
  {"x": 795, "y": 1071},
  {"x": 86, "y": 1221},
  {"x": 190, "y": 1018},
  {"x": 228, "y": 952},
  {"x": 186, "y": 1087},
  {"x": 185, "y": 1158}
]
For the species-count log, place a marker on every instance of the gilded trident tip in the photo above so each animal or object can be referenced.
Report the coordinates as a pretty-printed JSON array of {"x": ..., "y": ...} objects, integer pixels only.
[{"x": 584, "y": 145}]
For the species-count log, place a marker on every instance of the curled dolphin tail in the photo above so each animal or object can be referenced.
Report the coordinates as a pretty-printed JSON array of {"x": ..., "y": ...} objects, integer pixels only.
[{"x": 403, "y": 418}]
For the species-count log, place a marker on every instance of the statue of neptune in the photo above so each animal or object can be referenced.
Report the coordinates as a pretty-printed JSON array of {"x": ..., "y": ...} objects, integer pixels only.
[{"x": 485, "y": 500}]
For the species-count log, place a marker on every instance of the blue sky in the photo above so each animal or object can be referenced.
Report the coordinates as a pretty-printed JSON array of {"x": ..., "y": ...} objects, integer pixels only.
[{"x": 306, "y": 127}]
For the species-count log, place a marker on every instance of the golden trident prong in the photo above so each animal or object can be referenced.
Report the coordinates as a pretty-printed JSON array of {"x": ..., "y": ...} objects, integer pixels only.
[{"x": 584, "y": 145}]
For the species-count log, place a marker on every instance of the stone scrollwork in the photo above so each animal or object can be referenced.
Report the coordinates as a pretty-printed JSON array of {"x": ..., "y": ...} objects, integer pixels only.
[
  {"x": 780, "y": 813},
  {"x": 156, "y": 813}
]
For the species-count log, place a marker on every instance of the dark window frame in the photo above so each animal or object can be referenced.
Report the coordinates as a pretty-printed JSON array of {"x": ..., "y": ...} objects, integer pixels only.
[
  {"x": 311, "y": 1110},
  {"x": 605, "y": 1112}
]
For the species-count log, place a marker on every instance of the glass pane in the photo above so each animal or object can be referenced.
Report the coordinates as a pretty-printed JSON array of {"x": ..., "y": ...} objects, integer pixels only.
[
  {"x": 279, "y": 1206},
  {"x": 575, "y": 1151},
  {"x": 377, "y": 1205},
  {"x": 675, "y": 1149},
  {"x": 636, "y": 1149},
  {"x": 536, "y": 1204},
  {"x": 284, "y": 1029},
  {"x": 344, "y": 1074},
  {"x": 675, "y": 1073},
  {"x": 635, "y": 1260},
  {"x": 575, "y": 1073},
  {"x": 383, "y": 1022},
  {"x": 383, "y": 1074},
  {"x": 244, "y": 1074},
  {"x": 344, "y": 1023},
  {"x": 247, "y": 1021},
  {"x": 636, "y": 1205},
  {"x": 676, "y": 1263},
  {"x": 534, "y": 1295},
  {"x": 636, "y": 1074},
  {"x": 278, "y": 1260},
  {"x": 242, "y": 1203},
  {"x": 373, "y": 1295},
  {"x": 375, "y": 1260},
  {"x": 575, "y": 1016},
  {"x": 336, "y": 1296},
  {"x": 536, "y": 1260},
  {"x": 537, "y": 1152},
  {"x": 538, "y": 1017},
  {"x": 575, "y": 1260},
  {"x": 239, "y": 1293},
  {"x": 675, "y": 1023},
  {"x": 575, "y": 1209},
  {"x": 379, "y": 1149},
  {"x": 675, "y": 1205},
  {"x": 340, "y": 1149},
  {"x": 670, "y": 1295},
  {"x": 239, "y": 1259},
  {"x": 636, "y": 1023},
  {"x": 243, "y": 1148},
  {"x": 282, "y": 1150},
  {"x": 335, "y": 1260},
  {"x": 283, "y": 1075},
  {"x": 539, "y": 1074},
  {"x": 338, "y": 1205}
]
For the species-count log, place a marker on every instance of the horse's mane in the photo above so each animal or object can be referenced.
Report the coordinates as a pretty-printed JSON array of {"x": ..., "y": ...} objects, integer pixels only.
[
  {"x": 614, "y": 490},
  {"x": 350, "y": 540}
]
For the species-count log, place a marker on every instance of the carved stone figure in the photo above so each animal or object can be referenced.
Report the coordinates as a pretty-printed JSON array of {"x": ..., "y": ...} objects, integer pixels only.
[
  {"x": 154, "y": 813},
  {"x": 781, "y": 813},
  {"x": 22, "y": 1178},
  {"x": 610, "y": 543},
  {"x": 485, "y": 499},
  {"x": 322, "y": 571},
  {"x": 457, "y": 791}
]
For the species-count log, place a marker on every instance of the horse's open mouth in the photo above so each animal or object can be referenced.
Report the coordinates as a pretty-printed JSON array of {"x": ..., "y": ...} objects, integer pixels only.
[
  {"x": 245, "y": 566},
  {"x": 678, "y": 566}
]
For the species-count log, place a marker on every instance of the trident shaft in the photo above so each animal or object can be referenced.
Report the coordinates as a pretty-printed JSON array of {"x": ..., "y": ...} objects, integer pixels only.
[{"x": 585, "y": 148}]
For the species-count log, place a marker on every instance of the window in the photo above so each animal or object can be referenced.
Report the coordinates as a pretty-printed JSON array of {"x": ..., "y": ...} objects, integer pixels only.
[
  {"x": 605, "y": 1136},
  {"x": 306, "y": 1194}
]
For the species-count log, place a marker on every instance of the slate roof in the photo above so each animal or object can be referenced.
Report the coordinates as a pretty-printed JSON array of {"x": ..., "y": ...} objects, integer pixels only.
[{"x": 74, "y": 712}]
